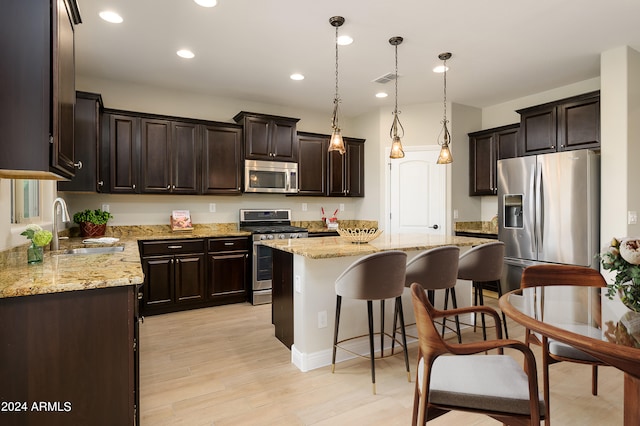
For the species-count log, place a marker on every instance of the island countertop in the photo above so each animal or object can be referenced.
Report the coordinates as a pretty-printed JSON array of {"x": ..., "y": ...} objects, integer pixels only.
[{"x": 331, "y": 247}]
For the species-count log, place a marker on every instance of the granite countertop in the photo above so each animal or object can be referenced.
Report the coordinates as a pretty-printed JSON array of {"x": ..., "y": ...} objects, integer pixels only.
[
  {"x": 61, "y": 272},
  {"x": 330, "y": 247},
  {"x": 478, "y": 227}
]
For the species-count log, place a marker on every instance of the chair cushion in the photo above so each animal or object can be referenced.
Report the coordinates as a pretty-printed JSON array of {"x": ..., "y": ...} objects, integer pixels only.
[
  {"x": 568, "y": 351},
  {"x": 482, "y": 382}
]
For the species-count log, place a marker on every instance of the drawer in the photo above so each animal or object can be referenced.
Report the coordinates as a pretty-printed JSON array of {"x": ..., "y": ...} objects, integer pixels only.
[
  {"x": 228, "y": 244},
  {"x": 148, "y": 248}
]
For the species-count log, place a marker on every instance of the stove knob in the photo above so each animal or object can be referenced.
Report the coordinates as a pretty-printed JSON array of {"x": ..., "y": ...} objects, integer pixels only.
[
  {"x": 293, "y": 236},
  {"x": 263, "y": 237},
  {"x": 270, "y": 237},
  {"x": 282, "y": 236}
]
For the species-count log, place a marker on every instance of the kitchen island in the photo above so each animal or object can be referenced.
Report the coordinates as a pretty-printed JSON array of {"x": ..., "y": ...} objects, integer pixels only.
[{"x": 304, "y": 274}]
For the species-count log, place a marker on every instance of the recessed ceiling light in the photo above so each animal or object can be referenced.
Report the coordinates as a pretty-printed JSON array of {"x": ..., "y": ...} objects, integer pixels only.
[
  {"x": 381, "y": 95},
  {"x": 344, "y": 40},
  {"x": 440, "y": 69},
  {"x": 110, "y": 16},
  {"x": 296, "y": 76},
  {"x": 184, "y": 53},
  {"x": 206, "y": 3}
]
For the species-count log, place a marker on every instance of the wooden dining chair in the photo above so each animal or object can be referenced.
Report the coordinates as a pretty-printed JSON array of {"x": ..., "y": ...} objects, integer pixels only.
[
  {"x": 552, "y": 350},
  {"x": 468, "y": 379}
]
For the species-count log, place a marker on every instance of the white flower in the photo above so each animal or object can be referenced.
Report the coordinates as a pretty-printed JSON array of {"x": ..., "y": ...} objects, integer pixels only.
[
  {"x": 33, "y": 227},
  {"x": 630, "y": 250}
]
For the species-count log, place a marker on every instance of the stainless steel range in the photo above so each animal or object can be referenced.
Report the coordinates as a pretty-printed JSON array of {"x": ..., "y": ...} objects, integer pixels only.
[{"x": 266, "y": 225}]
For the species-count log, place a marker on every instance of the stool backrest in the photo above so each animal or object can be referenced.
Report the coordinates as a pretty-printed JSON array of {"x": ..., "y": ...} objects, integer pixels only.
[
  {"x": 482, "y": 263},
  {"x": 374, "y": 277},
  {"x": 434, "y": 269}
]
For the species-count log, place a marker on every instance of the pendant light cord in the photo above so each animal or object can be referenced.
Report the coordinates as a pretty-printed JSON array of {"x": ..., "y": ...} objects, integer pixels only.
[
  {"x": 336, "y": 99},
  {"x": 396, "y": 121}
]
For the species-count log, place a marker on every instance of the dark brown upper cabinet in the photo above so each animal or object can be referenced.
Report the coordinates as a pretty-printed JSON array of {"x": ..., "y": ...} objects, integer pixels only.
[
  {"x": 567, "y": 124},
  {"x": 222, "y": 162},
  {"x": 124, "y": 153},
  {"x": 170, "y": 157},
  {"x": 312, "y": 164},
  {"x": 38, "y": 79},
  {"x": 486, "y": 147},
  {"x": 269, "y": 137},
  {"x": 87, "y": 132},
  {"x": 346, "y": 172}
]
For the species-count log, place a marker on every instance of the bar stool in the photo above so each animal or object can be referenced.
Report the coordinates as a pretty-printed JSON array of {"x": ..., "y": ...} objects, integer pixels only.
[
  {"x": 378, "y": 276},
  {"x": 483, "y": 264},
  {"x": 436, "y": 269}
]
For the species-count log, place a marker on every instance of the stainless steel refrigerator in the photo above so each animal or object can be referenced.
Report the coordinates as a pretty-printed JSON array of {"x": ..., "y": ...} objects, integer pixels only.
[{"x": 548, "y": 211}]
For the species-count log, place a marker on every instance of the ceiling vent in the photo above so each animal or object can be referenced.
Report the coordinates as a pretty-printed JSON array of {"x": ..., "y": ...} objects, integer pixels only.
[{"x": 384, "y": 79}]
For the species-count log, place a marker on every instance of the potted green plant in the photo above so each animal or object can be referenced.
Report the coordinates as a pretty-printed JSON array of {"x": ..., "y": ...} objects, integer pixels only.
[{"x": 93, "y": 223}]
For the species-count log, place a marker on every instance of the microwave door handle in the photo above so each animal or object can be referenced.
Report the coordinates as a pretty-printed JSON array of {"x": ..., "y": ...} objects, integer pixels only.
[{"x": 288, "y": 181}]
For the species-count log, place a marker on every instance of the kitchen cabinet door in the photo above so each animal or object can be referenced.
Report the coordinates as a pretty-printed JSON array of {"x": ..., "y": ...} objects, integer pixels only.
[
  {"x": 185, "y": 158},
  {"x": 346, "y": 172},
  {"x": 579, "y": 124},
  {"x": 312, "y": 164},
  {"x": 189, "y": 278},
  {"x": 159, "y": 288},
  {"x": 156, "y": 155},
  {"x": 222, "y": 163},
  {"x": 538, "y": 130},
  {"x": 87, "y": 133},
  {"x": 38, "y": 88},
  {"x": 124, "y": 147}
]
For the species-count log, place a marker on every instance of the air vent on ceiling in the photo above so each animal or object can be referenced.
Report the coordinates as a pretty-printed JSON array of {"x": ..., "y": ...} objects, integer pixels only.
[{"x": 383, "y": 79}]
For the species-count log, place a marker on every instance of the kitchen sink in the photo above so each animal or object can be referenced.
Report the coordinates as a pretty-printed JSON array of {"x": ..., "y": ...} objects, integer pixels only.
[{"x": 94, "y": 250}]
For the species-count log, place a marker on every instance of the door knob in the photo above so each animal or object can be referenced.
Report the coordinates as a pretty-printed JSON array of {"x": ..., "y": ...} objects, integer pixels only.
[{"x": 434, "y": 226}]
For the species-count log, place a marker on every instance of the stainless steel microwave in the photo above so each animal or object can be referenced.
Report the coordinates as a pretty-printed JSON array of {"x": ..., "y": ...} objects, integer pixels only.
[{"x": 271, "y": 177}]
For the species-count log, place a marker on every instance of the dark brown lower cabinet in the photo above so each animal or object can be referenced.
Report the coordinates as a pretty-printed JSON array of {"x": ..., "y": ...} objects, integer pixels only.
[
  {"x": 282, "y": 305},
  {"x": 174, "y": 275},
  {"x": 193, "y": 273},
  {"x": 70, "y": 358}
]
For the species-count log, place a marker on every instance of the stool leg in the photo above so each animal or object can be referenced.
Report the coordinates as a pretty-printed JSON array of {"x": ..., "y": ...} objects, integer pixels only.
[
  {"x": 335, "y": 333},
  {"x": 475, "y": 303},
  {"x": 382, "y": 328},
  {"x": 446, "y": 304},
  {"x": 395, "y": 322},
  {"x": 504, "y": 318},
  {"x": 373, "y": 363},
  {"x": 404, "y": 336},
  {"x": 454, "y": 302},
  {"x": 481, "y": 295}
]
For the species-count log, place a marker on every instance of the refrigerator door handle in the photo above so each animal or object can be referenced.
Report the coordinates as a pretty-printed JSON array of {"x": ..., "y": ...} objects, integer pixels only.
[
  {"x": 539, "y": 209},
  {"x": 532, "y": 206}
]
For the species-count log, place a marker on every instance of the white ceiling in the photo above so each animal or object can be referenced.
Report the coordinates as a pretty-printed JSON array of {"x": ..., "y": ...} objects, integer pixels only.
[{"x": 246, "y": 49}]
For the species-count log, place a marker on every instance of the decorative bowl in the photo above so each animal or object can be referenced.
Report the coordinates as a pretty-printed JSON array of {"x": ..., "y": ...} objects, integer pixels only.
[{"x": 359, "y": 236}]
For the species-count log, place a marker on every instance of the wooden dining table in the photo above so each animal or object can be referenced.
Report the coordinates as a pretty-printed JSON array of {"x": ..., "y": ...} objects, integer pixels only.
[{"x": 584, "y": 318}]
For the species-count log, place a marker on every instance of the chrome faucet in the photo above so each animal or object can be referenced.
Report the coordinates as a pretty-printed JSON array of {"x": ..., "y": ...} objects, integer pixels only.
[{"x": 55, "y": 244}]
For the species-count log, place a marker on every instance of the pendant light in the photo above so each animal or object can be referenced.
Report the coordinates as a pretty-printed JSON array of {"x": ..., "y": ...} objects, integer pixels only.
[
  {"x": 336, "y": 143},
  {"x": 444, "y": 139},
  {"x": 396, "y": 144}
]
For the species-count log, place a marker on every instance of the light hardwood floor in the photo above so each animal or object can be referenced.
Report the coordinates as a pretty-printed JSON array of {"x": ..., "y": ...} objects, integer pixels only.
[{"x": 222, "y": 366}]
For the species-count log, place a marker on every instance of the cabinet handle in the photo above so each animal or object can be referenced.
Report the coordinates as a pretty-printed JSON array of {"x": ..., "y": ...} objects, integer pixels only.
[
  {"x": 168, "y": 186},
  {"x": 133, "y": 186},
  {"x": 228, "y": 244},
  {"x": 174, "y": 247},
  {"x": 78, "y": 165},
  {"x": 173, "y": 187},
  {"x": 553, "y": 147},
  {"x": 100, "y": 183},
  {"x": 139, "y": 295},
  {"x": 171, "y": 261}
]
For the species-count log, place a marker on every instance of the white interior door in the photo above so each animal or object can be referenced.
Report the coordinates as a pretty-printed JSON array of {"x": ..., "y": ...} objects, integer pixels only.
[{"x": 416, "y": 191}]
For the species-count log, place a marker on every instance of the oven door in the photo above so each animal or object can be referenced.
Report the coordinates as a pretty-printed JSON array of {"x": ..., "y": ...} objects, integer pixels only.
[{"x": 262, "y": 268}]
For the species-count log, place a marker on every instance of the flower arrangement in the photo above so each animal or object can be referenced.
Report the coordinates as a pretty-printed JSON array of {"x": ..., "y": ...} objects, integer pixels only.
[
  {"x": 623, "y": 257},
  {"x": 38, "y": 236}
]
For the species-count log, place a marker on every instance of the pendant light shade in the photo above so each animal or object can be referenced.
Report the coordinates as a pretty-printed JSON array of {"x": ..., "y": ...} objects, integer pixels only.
[
  {"x": 397, "y": 131},
  {"x": 444, "y": 139},
  {"x": 336, "y": 143}
]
